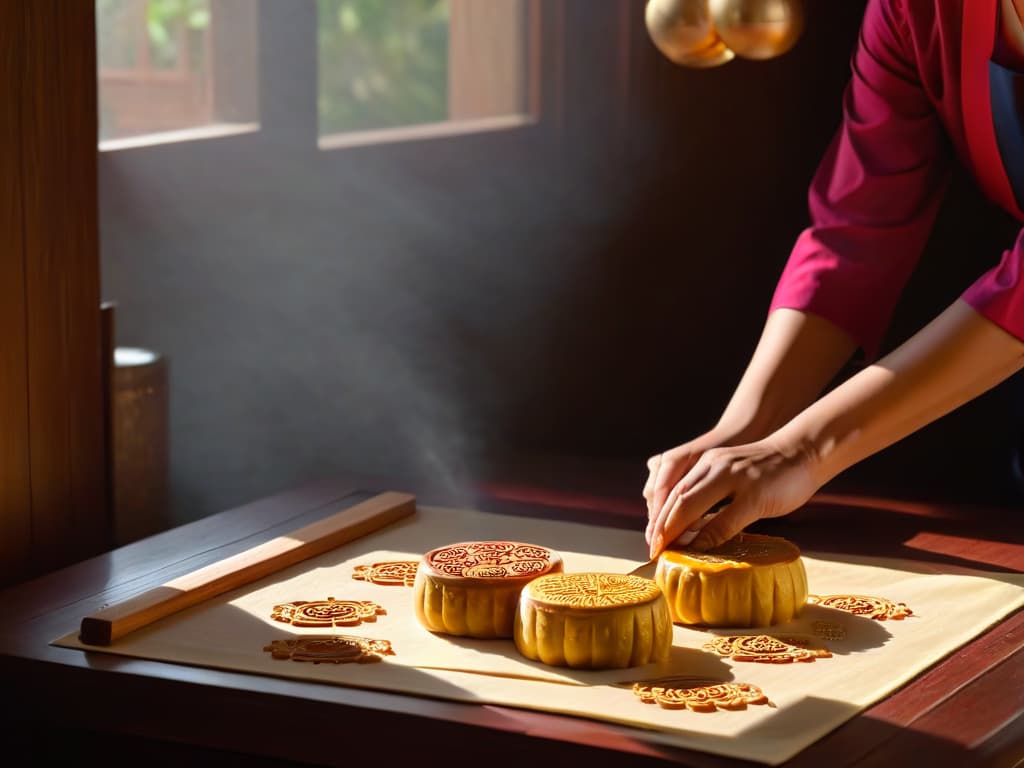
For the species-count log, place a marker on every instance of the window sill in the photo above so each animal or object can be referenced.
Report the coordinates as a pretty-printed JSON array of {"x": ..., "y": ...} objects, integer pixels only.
[
  {"x": 199, "y": 133},
  {"x": 424, "y": 131}
]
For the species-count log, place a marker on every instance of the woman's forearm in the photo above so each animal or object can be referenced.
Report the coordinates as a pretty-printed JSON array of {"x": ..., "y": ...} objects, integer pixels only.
[
  {"x": 956, "y": 357},
  {"x": 953, "y": 359},
  {"x": 797, "y": 355}
]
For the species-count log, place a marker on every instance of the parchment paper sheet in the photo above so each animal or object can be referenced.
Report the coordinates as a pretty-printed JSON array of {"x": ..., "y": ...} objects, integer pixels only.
[{"x": 810, "y": 699}]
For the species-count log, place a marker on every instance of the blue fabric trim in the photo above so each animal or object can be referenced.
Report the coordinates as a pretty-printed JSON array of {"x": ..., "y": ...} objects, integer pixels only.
[{"x": 1007, "y": 96}]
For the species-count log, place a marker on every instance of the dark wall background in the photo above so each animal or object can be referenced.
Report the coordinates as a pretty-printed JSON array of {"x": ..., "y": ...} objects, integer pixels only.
[{"x": 590, "y": 288}]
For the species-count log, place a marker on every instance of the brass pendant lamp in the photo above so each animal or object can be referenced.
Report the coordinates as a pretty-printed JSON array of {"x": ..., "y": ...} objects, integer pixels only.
[{"x": 707, "y": 33}]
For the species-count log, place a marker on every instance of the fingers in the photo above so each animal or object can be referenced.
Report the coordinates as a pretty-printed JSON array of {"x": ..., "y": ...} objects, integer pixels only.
[
  {"x": 732, "y": 519},
  {"x": 687, "y": 536},
  {"x": 655, "y": 534},
  {"x": 662, "y": 484},
  {"x": 653, "y": 464},
  {"x": 654, "y": 472},
  {"x": 673, "y": 466},
  {"x": 693, "y": 496},
  {"x": 673, "y": 502}
]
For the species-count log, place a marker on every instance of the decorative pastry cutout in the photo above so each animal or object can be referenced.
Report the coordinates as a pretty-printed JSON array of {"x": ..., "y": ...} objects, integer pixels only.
[
  {"x": 492, "y": 560},
  {"x": 829, "y": 630},
  {"x": 394, "y": 573},
  {"x": 594, "y": 590},
  {"x": 879, "y": 608},
  {"x": 698, "y": 694},
  {"x": 766, "y": 649},
  {"x": 330, "y": 649},
  {"x": 327, "y": 613}
]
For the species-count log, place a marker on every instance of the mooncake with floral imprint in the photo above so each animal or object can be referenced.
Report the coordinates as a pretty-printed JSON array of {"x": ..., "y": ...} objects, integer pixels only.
[
  {"x": 593, "y": 621},
  {"x": 471, "y": 588}
]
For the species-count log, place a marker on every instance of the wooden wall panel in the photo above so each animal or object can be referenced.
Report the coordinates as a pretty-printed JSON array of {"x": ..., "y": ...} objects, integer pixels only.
[
  {"x": 51, "y": 391},
  {"x": 15, "y": 489},
  {"x": 74, "y": 120}
]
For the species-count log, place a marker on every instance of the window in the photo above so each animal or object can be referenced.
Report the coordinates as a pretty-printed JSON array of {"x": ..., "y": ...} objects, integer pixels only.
[
  {"x": 382, "y": 64},
  {"x": 418, "y": 62},
  {"x": 236, "y": 257},
  {"x": 182, "y": 69},
  {"x": 175, "y": 66}
]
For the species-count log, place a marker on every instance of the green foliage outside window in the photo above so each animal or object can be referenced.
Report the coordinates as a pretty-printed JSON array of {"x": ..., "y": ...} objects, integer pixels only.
[
  {"x": 139, "y": 36},
  {"x": 117, "y": 26},
  {"x": 382, "y": 63}
]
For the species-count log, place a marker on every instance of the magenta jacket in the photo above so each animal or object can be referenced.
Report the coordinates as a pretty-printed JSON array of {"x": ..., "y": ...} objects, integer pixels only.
[{"x": 920, "y": 93}]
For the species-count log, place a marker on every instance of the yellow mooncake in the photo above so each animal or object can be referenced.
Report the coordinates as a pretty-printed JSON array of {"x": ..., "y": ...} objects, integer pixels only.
[
  {"x": 750, "y": 581},
  {"x": 593, "y": 621},
  {"x": 471, "y": 588}
]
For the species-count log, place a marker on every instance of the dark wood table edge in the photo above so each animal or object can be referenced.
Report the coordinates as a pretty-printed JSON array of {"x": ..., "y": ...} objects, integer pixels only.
[{"x": 19, "y": 665}]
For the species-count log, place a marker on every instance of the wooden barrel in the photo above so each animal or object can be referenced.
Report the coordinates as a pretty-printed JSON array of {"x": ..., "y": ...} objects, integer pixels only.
[{"x": 140, "y": 443}]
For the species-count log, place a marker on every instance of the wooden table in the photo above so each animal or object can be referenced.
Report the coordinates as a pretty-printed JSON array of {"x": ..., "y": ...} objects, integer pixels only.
[{"x": 966, "y": 710}]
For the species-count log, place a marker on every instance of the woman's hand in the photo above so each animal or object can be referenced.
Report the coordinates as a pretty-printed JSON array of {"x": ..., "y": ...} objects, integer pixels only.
[
  {"x": 666, "y": 469},
  {"x": 797, "y": 355},
  {"x": 768, "y": 478},
  {"x": 953, "y": 359}
]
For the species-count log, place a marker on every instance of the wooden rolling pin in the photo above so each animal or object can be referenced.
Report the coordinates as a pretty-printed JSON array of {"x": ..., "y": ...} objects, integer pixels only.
[{"x": 106, "y": 626}]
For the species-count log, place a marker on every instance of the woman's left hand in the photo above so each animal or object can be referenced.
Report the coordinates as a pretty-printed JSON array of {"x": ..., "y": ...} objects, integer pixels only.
[{"x": 768, "y": 478}]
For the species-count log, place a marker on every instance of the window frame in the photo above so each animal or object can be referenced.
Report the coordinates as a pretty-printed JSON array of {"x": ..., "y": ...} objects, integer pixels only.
[{"x": 287, "y": 114}]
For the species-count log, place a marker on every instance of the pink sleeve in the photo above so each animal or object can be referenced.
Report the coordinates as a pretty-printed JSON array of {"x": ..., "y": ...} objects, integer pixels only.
[
  {"x": 875, "y": 195},
  {"x": 999, "y": 293}
]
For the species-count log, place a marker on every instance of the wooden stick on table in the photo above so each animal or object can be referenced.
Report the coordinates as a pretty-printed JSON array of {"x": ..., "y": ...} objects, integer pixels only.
[{"x": 106, "y": 626}]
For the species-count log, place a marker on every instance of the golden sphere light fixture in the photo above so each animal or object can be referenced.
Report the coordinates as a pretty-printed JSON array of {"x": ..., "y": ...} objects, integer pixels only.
[
  {"x": 683, "y": 30},
  {"x": 715, "y": 54},
  {"x": 758, "y": 29}
]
